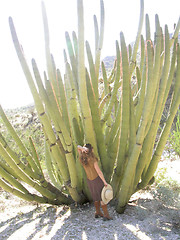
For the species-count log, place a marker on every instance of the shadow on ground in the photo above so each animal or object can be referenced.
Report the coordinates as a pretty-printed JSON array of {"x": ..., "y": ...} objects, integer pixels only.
[{"x": 143, "y": 219}]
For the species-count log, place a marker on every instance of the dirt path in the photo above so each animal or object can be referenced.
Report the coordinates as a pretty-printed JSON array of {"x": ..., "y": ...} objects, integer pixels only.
[{"x": 151, "y": 214}]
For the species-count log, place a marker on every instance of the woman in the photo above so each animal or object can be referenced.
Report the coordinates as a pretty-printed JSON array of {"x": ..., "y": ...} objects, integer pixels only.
[{"x": 95, "y": 179}]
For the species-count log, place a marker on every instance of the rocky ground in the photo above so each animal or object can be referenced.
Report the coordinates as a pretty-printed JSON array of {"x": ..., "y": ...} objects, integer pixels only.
[{"x": 151, "y": 214}]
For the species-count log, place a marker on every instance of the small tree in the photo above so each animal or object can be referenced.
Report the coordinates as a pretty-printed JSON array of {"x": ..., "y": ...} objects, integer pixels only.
[{"x": 121, "y": 121}]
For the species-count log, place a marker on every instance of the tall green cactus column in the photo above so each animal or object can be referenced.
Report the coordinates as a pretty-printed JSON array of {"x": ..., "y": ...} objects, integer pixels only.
[
  {"x": 87, "y": 118},
  {"x": 159, "y": 73}
]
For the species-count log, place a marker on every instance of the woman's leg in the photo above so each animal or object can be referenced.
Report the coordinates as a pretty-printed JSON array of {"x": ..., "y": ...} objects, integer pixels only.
[
  {"x": 105, "y": 210},
  {"x": 98, "y": 212}
]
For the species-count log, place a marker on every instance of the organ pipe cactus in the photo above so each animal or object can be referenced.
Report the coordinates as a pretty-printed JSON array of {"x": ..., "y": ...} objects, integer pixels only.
[{"x": 121, "y": 120}]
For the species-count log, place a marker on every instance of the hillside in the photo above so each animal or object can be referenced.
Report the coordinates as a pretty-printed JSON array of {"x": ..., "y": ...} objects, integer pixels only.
[{"x": 109, "y": 60}]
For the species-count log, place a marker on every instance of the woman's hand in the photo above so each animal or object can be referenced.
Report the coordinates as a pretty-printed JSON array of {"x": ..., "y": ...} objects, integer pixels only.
[{"x": 105, "y": 184}]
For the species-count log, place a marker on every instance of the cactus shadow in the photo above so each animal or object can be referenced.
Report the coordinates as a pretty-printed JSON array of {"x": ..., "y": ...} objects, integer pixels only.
[
  {"x": 81, "y": 224},
  {"x": 14, "y": 224},
  {"x": 41, "y": 217},
  {"x": 143, "y": 219},
  {"x": 154, "y": 218}
]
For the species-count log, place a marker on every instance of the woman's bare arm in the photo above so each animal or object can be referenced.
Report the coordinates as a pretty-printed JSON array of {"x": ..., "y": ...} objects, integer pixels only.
[{"x": 99, "y": 172}]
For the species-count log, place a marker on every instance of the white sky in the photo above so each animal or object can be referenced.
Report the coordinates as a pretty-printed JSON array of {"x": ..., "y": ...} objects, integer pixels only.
[{"x": 120, "y": 15}]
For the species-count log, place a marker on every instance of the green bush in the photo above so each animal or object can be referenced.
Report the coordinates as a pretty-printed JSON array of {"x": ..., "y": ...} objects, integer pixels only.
[
  {"x": 25, "y": 127},
  {"x": 166, "y": 188},
  {"x": 174, "y": 137}
]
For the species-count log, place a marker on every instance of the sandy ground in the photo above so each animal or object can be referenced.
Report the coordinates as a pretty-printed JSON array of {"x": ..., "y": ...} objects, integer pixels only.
[{"x": 151, "y": 214}]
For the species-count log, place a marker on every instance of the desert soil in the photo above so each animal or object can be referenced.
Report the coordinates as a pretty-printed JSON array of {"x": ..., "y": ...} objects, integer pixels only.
[{"x": 153, "y": 213}]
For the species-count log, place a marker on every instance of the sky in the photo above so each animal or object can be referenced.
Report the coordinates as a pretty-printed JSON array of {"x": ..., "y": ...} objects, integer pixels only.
[{"x": 120, "y": 15}]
